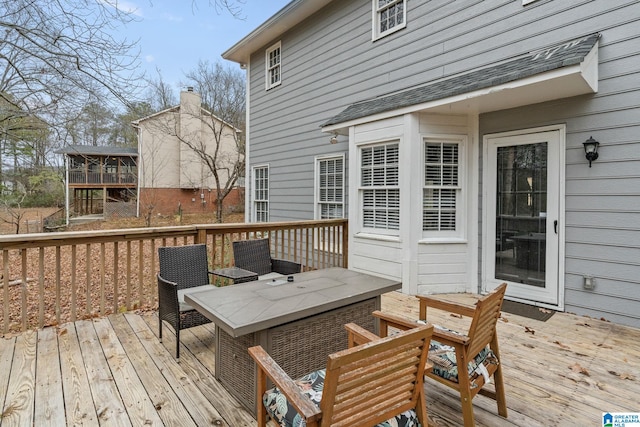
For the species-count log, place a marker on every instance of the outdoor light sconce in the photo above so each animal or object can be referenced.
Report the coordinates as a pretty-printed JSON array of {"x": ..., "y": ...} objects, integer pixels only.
[
  {"x": 334, "y": 139},
  {"x": 591, "y": 149}
]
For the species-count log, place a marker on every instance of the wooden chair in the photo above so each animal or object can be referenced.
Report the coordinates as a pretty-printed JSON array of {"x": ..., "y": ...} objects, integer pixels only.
[
  {"x": 365, "y": 385},
  {"x": 182, "y": 269},
  {"x": 464, "y": 362},
  {"x": 255, "y": 255}
]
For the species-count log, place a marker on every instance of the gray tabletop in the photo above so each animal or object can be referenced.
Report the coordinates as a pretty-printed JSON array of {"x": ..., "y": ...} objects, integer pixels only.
[{"x": 254, "y": 306}]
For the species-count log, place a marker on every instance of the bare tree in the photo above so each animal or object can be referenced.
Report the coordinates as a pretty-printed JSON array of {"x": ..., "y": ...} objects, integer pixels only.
[
  {"x": 209, "y": 128},
  {"x": 52, "y": 49},
  {"x": 160, "y": 94},
  {"x": 12, "y": 207}
]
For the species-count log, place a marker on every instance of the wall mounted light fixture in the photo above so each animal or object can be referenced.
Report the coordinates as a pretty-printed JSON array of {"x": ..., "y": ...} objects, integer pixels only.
[
  {"x": 334, "y": 139},
  {"x": 591, "y": 149}
]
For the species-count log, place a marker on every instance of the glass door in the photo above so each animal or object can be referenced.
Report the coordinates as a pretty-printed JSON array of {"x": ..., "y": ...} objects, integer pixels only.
[{"x": 522, "y": 206}]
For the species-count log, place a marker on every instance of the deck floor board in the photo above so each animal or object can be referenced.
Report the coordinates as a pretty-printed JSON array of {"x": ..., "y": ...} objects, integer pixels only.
[{"x": 114, "y": 371}]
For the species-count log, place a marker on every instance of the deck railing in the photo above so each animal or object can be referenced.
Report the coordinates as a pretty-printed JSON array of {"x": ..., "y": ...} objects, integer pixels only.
[{"x": 53, "y": 278}]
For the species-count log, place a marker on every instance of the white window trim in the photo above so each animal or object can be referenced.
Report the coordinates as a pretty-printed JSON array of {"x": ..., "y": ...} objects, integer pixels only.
[
  {"x": 316, "y": 186},
  {"x": 268, "y": 84},
  {"x": 526, "y": 2},
  {"x": 254, "y": 201},
  {"x": 460, "y": 232},
  {"x": 368, "y": 231},
  {"x": 376, "y": 21}
]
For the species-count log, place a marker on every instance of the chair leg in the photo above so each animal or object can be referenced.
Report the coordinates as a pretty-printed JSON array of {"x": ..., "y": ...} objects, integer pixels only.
[
  {"x": 261, "y": 388},
  {"x": 467, "y": 408},
  {"x": 160, "y": 329},
  {"x": 421, "y": 410},
  {"x": 501, "y": 400},
  {"x": 177, "y": 343},
  {"x": 466, "y": 398}
]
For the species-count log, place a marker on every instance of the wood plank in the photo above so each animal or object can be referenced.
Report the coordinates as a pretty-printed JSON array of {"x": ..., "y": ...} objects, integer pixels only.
[
  {"x": 202, "y": 411},
  {"x": 109, "y": 406},
  {"x": 49, "y": 399},
  {"x": 203, "y": 347},
  {"x": 19, "y": 403},
  {"x": 79, "y": 409},
  {"x": 140, "y": 408},
  {"x": 198, "y": 363},
  {"x": 162, "y": 396},
  {"x": 7, "y": 346},
  {"x": 538, "y": 358}
]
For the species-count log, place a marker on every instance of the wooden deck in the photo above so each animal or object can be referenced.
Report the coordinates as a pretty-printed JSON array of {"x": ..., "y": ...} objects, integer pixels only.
[{"x": 113, "y": 371}]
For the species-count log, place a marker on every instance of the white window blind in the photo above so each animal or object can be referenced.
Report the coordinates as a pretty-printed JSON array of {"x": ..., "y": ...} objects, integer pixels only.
[{"x": 379, "y": 187}]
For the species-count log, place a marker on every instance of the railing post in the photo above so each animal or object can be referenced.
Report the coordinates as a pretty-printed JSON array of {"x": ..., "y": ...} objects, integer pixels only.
[{"x": 345, "y": 244}]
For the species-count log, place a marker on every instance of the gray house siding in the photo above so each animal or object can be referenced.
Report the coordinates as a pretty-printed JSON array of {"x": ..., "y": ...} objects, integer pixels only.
[
  {"x": 442, "y": 38},
  {"x": 329, "y": 62},
  {"x": 602, "y": 212}
]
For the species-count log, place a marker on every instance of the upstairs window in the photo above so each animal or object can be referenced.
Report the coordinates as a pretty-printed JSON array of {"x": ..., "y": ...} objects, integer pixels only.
[
  {"x": 273, "y": 61},
  {"x": 380, "y": 188},
  {"x": 441, "y": 196},
  {"x": 388, "y": 16}
]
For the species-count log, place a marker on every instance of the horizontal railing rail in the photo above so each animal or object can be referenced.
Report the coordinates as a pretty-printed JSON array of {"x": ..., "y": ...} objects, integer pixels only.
[
  {"x": 85, "y": 177},
  {"x": 53, "y": 278}
]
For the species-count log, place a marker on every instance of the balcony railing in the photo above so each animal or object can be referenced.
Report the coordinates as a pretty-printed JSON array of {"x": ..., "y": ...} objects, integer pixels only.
[
  {"x": 84, "y": 177},
  {"x": 52, "y": 278}
]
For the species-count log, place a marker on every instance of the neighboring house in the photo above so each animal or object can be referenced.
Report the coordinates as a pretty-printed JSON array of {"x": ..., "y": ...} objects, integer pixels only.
[
  {"x": 450, "y": 134},
  {"x": 174, "y": 146},
  {"x": 100, "y": 180}
]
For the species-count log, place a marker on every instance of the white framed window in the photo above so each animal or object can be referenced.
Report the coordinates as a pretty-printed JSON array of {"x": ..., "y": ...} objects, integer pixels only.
[
  {"x": 330, "y": 187},
  {"x": 379, "y": 188},
  {"x": 442, "y": 204},
  {"x": 389, "y": 16},
  {"x": 261, "y": 193},
  {"x": 273, "y": 62}
]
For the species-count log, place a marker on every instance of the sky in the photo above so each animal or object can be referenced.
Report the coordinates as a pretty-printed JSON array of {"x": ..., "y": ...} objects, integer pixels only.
[{"x": 173, "y": 35}]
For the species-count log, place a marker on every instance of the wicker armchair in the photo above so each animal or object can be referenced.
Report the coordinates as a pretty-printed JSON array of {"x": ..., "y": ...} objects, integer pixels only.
[
  {"x": 182, "y": 269},
  {"x": 255, "y": 255}
]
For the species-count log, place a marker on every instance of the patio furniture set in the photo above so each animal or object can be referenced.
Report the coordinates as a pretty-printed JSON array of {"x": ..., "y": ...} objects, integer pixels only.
[{"x": 288, "y": 329}]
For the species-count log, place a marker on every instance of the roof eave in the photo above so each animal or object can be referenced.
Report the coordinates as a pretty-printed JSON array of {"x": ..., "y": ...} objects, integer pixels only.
[
  {"x": 289, "y": 16},
  {"x": 569, "y": 81}
]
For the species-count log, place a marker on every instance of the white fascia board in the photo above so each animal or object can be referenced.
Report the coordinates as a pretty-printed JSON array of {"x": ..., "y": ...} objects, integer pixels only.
[{"x": 273, "y": 28}]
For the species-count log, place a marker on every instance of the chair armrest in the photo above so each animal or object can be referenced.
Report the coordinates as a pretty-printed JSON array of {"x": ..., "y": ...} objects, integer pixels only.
[
  {"x": 303, "y": 405},
  {"x": 359, "y": 335},
  {"x": 446, "y": 337},
  {"x": 453, "y": 307},
  {"x": 285, "y": 267},
  {"x": 391, "y": 320}
]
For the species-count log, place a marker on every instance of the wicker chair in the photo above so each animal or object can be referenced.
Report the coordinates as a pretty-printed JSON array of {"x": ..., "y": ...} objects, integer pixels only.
[
  {"x": 182, "y": 269},
  {"x": 255, "y": 255}
]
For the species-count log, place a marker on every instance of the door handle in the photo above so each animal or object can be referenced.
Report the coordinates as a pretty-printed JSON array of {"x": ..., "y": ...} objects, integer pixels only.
[{"x": 555, "y": 226}]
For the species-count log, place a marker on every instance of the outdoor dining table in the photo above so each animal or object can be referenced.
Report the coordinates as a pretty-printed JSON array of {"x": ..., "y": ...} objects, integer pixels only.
[{"x": 299, "y": 322}]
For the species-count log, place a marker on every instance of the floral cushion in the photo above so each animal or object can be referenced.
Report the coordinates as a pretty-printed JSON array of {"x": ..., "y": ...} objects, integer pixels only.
[
  {"x": 311, "y": 385},
  {"x": 443, "y": 358}
]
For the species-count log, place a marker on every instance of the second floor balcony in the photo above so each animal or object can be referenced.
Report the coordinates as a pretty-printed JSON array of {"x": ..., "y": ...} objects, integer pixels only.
[{"x": 102, "y": 178}]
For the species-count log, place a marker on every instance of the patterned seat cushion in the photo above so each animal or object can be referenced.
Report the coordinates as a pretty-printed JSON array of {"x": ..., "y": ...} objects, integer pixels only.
[
  {"x": 312, "y": 385},
  {"x": 443, "y": 358}
]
